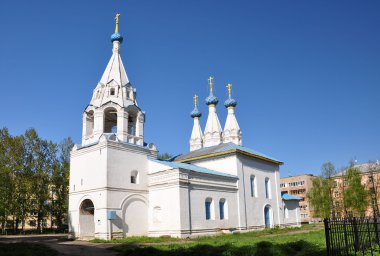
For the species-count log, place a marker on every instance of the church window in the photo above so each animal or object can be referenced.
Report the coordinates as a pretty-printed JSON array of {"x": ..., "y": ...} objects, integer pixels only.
[
  {"x": 89, "y": 122},
  {"x": 135, "y": 177},
  {"x": 157, "y": 216},
  {"x": 110, "y": 120},
  {"x": 267, "y": 188},
  {"x": 132, "y": 123},
  {"x": 223, "y": 210},
  {"x": 112, "y": 91},
  {"x": 253, "y": 185},
  {"x": 209, "y": 209}
]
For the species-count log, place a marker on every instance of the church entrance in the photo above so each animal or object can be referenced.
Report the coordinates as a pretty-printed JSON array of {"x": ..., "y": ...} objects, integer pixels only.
[
  {"x": 86, "y": 219},
  {"x": 135, "y": 217},
  {"x": 267, "y": 216}
]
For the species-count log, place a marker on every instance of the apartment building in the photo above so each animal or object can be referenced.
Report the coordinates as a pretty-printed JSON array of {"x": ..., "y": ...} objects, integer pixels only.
[{"x": 299, "y": 186}]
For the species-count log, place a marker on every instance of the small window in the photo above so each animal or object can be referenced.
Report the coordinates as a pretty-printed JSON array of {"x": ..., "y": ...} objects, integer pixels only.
[
  {"x": 135, "y": 177},
  {"x": 209, "y": 208},
  {"x": 157, "y": 216},
  {"x": 223, "y": 210},
  {"x": 253, "y": 186},
  {"x": 112, "y": 92},
  {"x": 267, "y": 188}
]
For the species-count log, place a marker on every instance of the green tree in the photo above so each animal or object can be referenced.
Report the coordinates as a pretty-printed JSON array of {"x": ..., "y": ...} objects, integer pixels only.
[
  {"x": 321, "y": 194},
  {"x": 60, "y": 183},
  {"x": 374, "y": 183},
  {"x": 6, "y": 177},
  {"x": 164, "y": 156},
  {"x": 355, "y": 195}
]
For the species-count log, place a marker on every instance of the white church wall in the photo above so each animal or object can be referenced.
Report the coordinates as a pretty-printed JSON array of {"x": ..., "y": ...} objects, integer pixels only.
[
  {"x": 255, "y": 204},
  {"x": 165, "y": 210},
  {"x": 201, "y": 225},
  {"x": 88, "y": 168},
  {"x": 123, "y": 161},
  {"x": 226, "y": 164},
  {"x": 291, "y": 213}
]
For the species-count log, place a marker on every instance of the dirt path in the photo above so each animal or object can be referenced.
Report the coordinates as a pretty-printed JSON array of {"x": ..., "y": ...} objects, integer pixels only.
[{"x": 75, "y": 248}]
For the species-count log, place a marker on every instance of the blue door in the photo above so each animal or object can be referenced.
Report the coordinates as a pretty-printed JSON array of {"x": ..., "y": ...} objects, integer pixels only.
[{"x": 267, "y": 217}]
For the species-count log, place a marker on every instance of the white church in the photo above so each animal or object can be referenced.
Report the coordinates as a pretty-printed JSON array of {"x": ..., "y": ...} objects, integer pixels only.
[{"x": 119, "y": 188}]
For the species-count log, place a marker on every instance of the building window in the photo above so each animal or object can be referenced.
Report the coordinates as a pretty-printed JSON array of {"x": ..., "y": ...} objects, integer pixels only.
[
  {"x": 89, "y": 122},
  {"x": 253, "y": 186},
  {"x": 112, "y": 91},
  {"x": 267, "y": 188},
  {"x": 223, "y": 210},
  {"x": 135, "y": 177},
  {"x": 157, "y": 216},
  {"x": 209, "y": 209}
]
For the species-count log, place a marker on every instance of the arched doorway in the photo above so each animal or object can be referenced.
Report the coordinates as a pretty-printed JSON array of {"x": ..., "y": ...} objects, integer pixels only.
[
  {"x": 267, "y": 217},
  {"x": 86, "y": 219},
  {"x": 135, "y": 217}
]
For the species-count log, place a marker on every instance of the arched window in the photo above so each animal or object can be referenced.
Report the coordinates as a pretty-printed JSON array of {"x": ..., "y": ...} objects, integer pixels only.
[
  {"x": 135, "y": 177},
  {"x": 157, "y": 216},
  {"x": 209, "y": 207},
  {"x": 223, "y": 209},
  {"x": 253, "y": 185},
  {"x": 267, "y": 188},
  {"x": 89, "y": 122},
  {"x": 110, "y": 120},
  {"x": 267, "y": 216},
  {"x": 131, "y": 123}
]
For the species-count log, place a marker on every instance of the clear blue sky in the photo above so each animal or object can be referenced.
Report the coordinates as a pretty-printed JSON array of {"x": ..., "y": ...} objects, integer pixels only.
[{"x": 306, "y": 74}]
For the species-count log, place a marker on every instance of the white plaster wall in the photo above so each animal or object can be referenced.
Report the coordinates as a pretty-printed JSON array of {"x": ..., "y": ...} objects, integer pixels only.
[
  {"x": 167, "y": 198},
  {"x": 255, "y": 205},
  {"x": 198, "y": 197},
  {"x": 226, "y": 164},
  {"x": 294, "y": 215},
  {"x": 250, "y": 209},
  {"x": 102, "y": 173}
]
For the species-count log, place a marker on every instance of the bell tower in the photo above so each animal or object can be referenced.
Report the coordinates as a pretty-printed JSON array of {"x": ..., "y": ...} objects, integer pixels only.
[{"x": 113, "y": 108}]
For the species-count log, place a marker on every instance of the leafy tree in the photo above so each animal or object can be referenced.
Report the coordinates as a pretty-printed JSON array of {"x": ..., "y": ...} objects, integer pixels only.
[
  {"x": 60, "y": 183},
  {"x": 374, "y": 183},
  {"x": 355, "y": 195},
  {"x": 321, "y": 194},
  {"x": 6, "y": 177},
  {"x": 164, "y": 156}
]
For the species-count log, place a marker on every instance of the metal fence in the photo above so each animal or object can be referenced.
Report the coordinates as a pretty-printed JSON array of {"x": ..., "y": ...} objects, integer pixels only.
[{"x": 351, "y": 236}]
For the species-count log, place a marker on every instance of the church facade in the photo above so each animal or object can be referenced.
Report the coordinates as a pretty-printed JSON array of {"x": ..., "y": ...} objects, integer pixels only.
[{"x": 119, "y": 188}]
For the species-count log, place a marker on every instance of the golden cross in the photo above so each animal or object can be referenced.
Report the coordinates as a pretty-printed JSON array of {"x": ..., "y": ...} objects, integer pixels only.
[
  {"x": 195, "y": 100},
  {"x": 229, "y": 88},
  {"x": 117, "y": 22},
  {"x": 210, "y": 82}
]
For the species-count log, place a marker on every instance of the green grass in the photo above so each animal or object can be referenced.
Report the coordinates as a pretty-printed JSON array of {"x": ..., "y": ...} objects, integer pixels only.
[
  {"x": 25, "y": 249},
  {"x": 267, "y": 242},
  {"x": 139, "y": 240}
]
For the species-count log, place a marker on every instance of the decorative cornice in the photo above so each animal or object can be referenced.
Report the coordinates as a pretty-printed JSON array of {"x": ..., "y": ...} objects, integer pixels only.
[{"x": 232, "y": 151}]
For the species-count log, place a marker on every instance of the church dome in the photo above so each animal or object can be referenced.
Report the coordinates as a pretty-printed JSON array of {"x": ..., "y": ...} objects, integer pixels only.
[
  {"x": 195, "y": 113},
  {"x": 211, "y": 100},
  {"x": 230, "y": 103},
  {"x": 116, "y": 37}
]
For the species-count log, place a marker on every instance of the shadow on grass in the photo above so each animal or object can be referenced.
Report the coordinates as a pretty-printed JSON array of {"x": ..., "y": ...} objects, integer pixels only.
[
  {"x": 299, "y": 248},
  {"x": 25, "y": 249}
]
